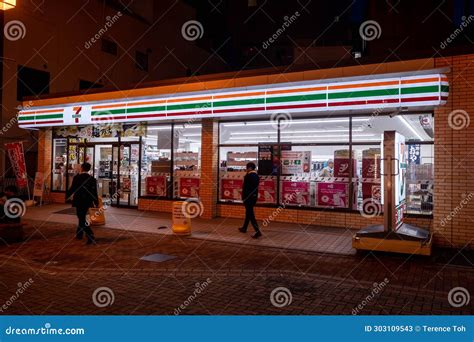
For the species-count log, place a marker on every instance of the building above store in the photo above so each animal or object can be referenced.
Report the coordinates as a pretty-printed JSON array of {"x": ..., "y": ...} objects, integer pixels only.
[{"x": 415, "y": 91}]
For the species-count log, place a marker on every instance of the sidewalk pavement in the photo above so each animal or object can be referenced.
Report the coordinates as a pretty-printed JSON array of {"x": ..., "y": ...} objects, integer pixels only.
[{"x": 278, "y": 235}]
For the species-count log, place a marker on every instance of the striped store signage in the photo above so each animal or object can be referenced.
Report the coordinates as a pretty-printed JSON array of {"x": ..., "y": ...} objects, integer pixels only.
[{"x": 412, "y": 91}]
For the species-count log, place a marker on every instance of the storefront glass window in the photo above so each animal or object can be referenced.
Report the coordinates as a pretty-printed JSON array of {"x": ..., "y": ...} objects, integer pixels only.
[
  {"x": 59, "y": 164},
  {"x": 187, "y": 160},
  {"x": 308, "y": 161},
  {"x": 156, "y": 161}
]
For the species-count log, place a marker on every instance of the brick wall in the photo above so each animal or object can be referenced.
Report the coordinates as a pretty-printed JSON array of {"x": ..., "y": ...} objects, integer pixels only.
[
  {"x": 454, "y": 157},
  {"x": 209, "y": 167}
]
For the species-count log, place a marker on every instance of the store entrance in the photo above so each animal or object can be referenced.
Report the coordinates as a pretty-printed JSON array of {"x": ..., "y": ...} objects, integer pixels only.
[{"x": 114, "y": 165}]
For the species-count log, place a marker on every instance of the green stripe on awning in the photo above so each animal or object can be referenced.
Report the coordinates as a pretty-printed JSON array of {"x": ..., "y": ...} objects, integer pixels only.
[
  {"x": 108, "y": 112},
  {"x": 50, "y": 116},
  {"x": 307, "y": 97},
  {"x": 146, "y": 109},
  {"x": 239, "y": 102},
  {"x": 363, "y": 93},
  {"x": 200, "y": 105},
  {"x": 417, "y": 90},
  {"x": 445, "y": 89}
]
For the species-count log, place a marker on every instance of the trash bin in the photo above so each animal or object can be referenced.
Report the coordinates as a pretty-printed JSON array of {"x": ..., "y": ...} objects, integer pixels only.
[
  {"x": 181, "y": 221},
  {"x": 97, "y": 215}
]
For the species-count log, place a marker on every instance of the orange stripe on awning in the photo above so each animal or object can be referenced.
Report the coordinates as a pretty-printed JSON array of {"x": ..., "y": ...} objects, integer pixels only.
[
  {"x": 271, "y": 92},
  {"x": 421, "y": 80},
  {"x": 43, "y": 111},
  {"x": 109, "y": 106},
  {"x": 363, "y": 85},
  {"x": 226, "y": 96}
]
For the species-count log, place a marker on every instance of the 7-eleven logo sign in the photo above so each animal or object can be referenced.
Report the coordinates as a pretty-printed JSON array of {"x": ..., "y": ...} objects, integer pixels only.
[{"x": 76, "y": 114}]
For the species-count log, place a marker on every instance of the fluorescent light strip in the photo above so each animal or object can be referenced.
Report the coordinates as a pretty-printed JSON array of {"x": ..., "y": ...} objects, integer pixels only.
[
  {"x": 292, "y": 122},
  {"x": 296, "y": 132},
  {"x": 402, "y": 119},
  {"x": 314, "y": 136}
]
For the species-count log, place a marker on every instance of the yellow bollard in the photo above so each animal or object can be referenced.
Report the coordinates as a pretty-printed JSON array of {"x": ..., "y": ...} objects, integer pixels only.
[
  {"x": 97, "y": 215},
  {"x": 181, "y": 221}
]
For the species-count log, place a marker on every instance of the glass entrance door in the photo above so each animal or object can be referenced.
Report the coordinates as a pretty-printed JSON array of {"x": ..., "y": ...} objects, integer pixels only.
[
  {"x": 115, "y": 166},
  {"x": 128, "y": 174}
]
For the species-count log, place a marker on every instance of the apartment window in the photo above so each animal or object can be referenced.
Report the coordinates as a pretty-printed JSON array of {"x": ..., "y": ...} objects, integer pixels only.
[
  {"x": 109, "y": 46},
  {"x": 31, "y": 82},
  {"x": 141, "y": 60}
]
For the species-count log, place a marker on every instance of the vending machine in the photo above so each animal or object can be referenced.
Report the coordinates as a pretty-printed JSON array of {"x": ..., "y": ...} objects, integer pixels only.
[{"x": 394, "y": 235}]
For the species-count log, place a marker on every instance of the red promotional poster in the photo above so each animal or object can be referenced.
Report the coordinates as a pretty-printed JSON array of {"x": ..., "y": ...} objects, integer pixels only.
[
  {"x": 371, "y": 190},
  {"x": 295, "y": 192},
  {"x": 332, "y": 194},
  {"x": 231, "y": 189},
  {"x": 371, "y": 163},
  {"x": 267, "y": 191},
  {"x": 17, "y": 159},
  {"x": 188, "y": 187},
  {"x": 341, "y": 164},
  {"x": 156, "y": 186}
]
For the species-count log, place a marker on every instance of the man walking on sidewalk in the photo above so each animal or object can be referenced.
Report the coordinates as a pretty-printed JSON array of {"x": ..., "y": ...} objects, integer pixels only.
[
  {"x": 84, "y": 195},
  {"x": 250, "y": 196}
]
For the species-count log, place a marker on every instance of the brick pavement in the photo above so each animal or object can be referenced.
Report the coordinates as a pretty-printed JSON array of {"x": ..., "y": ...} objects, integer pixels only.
[{"x": 66, "y": 273}]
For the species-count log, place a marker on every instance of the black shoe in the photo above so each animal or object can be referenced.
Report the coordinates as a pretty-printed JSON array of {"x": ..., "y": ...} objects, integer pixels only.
[
  {"x": 242, "y": 230},
  {"x": 256, "y": 235},
  {"x": 79, "y": 237},
  {"x": 91, "y": 242}
]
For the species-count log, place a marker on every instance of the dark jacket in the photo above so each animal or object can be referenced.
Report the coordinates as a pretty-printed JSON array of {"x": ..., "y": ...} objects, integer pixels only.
[
  {"x": 84, "y": 191},
  {"x": 250, "y": 187}
]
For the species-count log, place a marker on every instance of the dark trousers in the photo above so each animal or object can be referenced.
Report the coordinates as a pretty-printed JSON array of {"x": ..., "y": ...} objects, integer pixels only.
[
  {"x": 83, "y": 226},
  {"x": 250, "y": 215}
]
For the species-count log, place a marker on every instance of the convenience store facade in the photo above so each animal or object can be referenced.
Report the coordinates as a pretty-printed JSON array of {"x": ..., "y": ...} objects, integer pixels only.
[{"x": 150, "y": 146}]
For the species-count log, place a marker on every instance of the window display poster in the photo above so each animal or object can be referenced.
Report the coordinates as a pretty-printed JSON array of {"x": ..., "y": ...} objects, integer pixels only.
[
  {"x": 373, "y": 191},
  {"x": 414, "y": 153},
  {"x": 188, "y": 187},
  {"x": 294, "y": 192},
  {"x": 267, "y": 191},
  {"x": 294, "y": 162},
  {"x": 371, "y": 163},
  {"x": 231, "y": 189},
  {"x": 342, "y": 162},
  {"x": 126, "y": 184},
  {"x": 332, "y": 194},
  {"x": 156, "y": 186}
]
